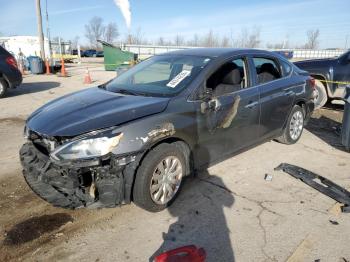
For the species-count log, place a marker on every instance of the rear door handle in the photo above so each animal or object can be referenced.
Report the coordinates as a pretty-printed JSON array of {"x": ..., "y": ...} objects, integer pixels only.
[
  {"x": 252, "y": 104},
  {"x": 289, "y": 93}
]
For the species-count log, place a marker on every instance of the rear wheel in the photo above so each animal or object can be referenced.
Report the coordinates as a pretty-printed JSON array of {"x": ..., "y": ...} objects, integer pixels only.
[
  {"x": 3, "y": 87},
  {"x": 320, "y": 94},
  {"x": 294, "y": 127},
  {"x": 159, "y": 177}
]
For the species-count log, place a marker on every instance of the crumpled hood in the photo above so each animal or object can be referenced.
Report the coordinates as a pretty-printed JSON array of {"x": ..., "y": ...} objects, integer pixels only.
[{"x": 91, "y": 109}]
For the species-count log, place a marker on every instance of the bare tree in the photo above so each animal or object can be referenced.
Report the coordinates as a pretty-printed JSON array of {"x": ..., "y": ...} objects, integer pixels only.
[
  {"x": 160, "y": 41},
  {"x": 111, "y": 32},
  {"x": 249, "y": 39},
  {"x": 280, "y": 45},
  {"x": 210, "y": 39},
  {"x": 254, "y": 38},
  {"x": 232, "y": 40},
  {"x": 275, "y": 46},
  {"x": 136, "y": 38},
  {"x": 94, "y": 31},
  {"x": 312, "y": 39},
  {"x": 243, "y": 38},
  {"x": 195, "y": 40},
  {"x": 225, "y": 41},
  {"x": 75, "y": 42},
  {"x": 179, "y": 40}
]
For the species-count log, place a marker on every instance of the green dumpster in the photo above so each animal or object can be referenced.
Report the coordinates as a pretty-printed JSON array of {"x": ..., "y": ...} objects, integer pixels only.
[{"x": 114, "y": 57}]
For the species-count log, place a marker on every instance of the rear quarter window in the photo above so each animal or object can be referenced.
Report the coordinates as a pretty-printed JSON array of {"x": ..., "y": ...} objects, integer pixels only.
[{"x": 286, "y": 68}]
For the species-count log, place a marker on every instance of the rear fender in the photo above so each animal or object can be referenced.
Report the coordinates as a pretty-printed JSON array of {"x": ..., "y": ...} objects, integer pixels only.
[{"x": 326, "y": 84}]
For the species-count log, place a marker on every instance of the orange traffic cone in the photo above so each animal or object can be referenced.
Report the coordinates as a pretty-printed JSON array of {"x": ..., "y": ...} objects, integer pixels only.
[
  {"x": 87, "y": 78},
  {"x": 47, "y": 66},
  {"x": 63, "y": 69}
]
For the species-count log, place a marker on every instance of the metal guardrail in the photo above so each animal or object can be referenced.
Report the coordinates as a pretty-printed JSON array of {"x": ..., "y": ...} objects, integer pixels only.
[
  {"x": 306, "y": 53},
  {"x": 150, "y": 50}
]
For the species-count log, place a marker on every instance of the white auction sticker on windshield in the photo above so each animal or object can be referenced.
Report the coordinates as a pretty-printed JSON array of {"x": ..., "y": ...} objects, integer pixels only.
[{"x": 177, "y": 79}]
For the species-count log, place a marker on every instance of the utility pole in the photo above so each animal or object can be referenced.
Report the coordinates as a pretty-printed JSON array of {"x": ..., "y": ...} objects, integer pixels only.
[
  {"x": 48, "y": 29},
  {"x": 40, "y": 30}
]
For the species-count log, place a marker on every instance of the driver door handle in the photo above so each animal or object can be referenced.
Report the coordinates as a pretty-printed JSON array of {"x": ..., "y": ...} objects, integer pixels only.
[{"x": 252, "y": 105}]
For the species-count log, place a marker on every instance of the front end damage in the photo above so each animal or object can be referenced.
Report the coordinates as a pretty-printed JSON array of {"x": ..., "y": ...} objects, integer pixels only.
[{"x": 101, "y": 182}]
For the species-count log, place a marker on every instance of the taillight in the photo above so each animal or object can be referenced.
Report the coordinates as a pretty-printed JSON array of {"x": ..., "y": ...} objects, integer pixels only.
[
  {"x": 11, "y": 61},
  {"x": 312, "y": 82}
]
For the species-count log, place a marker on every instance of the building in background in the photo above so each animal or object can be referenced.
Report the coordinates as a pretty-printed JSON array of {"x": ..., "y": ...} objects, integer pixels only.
[{"x": 30, "y": 46}]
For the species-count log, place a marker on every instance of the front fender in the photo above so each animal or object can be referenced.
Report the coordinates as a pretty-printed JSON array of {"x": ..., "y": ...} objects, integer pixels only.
[{"x": 141, "y": 135}]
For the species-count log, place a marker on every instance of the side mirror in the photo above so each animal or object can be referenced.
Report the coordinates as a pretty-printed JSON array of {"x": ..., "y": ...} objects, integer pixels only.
[
  {"x": 207, "y": 94},
  {"x": 208, "y": 104}
]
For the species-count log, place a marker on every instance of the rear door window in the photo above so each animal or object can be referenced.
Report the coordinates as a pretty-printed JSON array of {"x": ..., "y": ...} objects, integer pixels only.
[{"x": 267, "y": 69}]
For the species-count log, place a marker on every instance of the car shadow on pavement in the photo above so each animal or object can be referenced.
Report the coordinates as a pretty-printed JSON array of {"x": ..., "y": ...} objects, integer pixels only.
[
  {"x": 326, "y": 129},
  {"x": 27, "y": 88},
  {"x": 200, "y": 218}
]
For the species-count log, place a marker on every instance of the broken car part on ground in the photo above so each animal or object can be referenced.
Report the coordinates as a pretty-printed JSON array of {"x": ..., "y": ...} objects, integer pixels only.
[
  {"x": 319, "y": 183},
  {"x": 136, "y": 137}
]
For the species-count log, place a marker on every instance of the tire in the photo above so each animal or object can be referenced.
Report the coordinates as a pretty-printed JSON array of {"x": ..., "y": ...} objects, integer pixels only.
[
  {"x": 321, "y": 94},
  {"x": 148, "y": 171},
  {"x": 3, "y": 87},
  {"x": 290, "y": 137}
]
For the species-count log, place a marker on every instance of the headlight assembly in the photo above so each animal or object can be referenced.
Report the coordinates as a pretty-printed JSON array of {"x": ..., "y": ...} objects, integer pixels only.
[{"x": 88, "y": 147}]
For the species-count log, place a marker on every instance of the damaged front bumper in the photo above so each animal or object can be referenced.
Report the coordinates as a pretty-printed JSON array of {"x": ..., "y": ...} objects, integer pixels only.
[{"x": 94, "y": 184}]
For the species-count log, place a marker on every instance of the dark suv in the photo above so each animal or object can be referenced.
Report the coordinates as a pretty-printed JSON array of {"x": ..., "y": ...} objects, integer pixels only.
[
  {"x": 10, "y": 76},
  {"x": 136, "y": 137}
]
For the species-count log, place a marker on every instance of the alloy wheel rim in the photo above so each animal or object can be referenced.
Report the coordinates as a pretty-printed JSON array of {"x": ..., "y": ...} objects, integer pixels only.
[
  {"x": 166, "y": 180},
  {"x": 296, "y": 125}
]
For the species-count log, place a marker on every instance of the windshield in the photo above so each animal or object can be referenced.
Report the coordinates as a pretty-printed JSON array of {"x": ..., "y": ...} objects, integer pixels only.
[{"x": 164, "y": 75}]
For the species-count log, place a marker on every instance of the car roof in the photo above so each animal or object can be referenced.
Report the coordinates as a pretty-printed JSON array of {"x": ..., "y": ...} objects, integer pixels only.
[{"x": 217, "y": 52}]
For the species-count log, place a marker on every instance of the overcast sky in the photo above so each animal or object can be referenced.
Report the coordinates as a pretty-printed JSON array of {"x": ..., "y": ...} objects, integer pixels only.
[{"x": 277, "y": 20}]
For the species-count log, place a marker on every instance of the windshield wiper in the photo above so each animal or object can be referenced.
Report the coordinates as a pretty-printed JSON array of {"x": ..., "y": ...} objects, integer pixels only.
[
  {"x": 105, "y": 84},
  {"x": 127, "y": 92}
]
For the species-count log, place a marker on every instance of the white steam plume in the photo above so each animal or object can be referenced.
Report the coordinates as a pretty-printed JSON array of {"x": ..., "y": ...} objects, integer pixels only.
[{"x": 124, "y": 7}]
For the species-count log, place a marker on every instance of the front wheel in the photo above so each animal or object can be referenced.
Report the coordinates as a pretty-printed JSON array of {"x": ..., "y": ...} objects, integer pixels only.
[
  {"x": 294, "y": 127},
  {"x": 159, "y": 177}
]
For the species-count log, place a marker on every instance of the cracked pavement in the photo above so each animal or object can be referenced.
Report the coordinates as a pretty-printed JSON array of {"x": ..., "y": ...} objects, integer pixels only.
[{"x": 229, "y": 209}]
